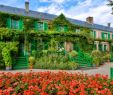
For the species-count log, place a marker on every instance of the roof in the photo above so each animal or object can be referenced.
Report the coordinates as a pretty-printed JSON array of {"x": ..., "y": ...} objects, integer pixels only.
[{"x": 40, "y": 15}]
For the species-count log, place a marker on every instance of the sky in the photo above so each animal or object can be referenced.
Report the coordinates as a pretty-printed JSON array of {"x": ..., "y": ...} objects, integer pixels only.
[{"x": 77, "y": 9}]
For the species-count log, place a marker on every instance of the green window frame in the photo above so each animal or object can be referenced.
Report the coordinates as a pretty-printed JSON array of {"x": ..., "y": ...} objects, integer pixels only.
[
  {"x": 62, "y": 28},
  {"x": 14, "y": 24},
  {"x": 77, "y": 30},
  {"x": 108, "y": 35},
  {"x": 105, "y": 35},
  {"x": 41, "y": 26}
]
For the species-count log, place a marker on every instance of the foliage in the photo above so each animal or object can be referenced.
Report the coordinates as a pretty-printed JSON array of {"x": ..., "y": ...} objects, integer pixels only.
[
  {"x": 31, "y": 60},
  {"x": 96, "y": 53},
  {"x": 106, "y": 57},
  {"x": 110, "y": 4},
  {"x": 54, "y": 60},
  {"x": 72, "y": 65},
  {"x": 73, "y": 53},
  {"x": 53, "y": 45},
  {"x": 100, "y": 57},
  {"x": 50, "y": 83},
  {"x": 7, "y": 57},
  {"x": 6, "y": 50},
  {"x": 97, "y": 58},
  {"x": 10, "y": 34},
  {"x": 28, "y": 21}
]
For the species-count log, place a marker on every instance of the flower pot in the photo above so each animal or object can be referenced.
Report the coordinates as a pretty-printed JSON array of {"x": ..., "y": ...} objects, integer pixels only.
[{"x": 8, "y": 68}]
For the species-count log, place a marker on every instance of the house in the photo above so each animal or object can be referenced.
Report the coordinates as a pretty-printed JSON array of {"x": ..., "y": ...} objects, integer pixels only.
[{"x": 16, "y": 18}]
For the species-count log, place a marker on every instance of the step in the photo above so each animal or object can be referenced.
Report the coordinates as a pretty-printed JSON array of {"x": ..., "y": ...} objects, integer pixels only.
[
  {"x": 17, "y": 68},
  {"x": 21, "y": 66},
  {"x": 21, "y": 61}
]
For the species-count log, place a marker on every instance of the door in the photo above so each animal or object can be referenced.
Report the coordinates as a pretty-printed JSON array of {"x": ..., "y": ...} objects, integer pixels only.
[{"x": 21, "y": 49}]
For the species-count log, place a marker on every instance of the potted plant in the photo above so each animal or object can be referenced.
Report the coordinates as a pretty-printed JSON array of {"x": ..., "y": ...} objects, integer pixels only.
[
  {"x": 107, "y": 57},
  {"x": 31, "y": 62},
  {"x": 96, "y": 62}
]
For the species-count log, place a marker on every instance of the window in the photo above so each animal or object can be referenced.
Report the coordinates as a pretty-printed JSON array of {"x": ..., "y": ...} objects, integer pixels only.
[
  {"x": 77, "y": 30},
  {"x": 100, "y": 47},
  {"x": 14, "y": 24},
  {"x": 61, "y": 28},
  {"x": 40, "y": 26},
  {"x": 105, "y": 47}
]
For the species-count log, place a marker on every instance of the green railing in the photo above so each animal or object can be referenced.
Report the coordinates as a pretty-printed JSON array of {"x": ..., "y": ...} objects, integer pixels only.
[
  {"x": 111, "y": 73},
  {"x": 26, "y": 56},
  {"x": 82, "y": 59}
]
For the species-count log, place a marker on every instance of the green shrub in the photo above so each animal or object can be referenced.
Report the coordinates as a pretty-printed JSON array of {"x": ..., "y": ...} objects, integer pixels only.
[
  {"x": 97, "y": 57},
  {"x": 96, "y": 53},
  {"x": 96, "y": 61},
  {"x": 55, "y": 61},
  {"x": 31, "y": 60},
  {"x": 7, "y": 57},
  {"x": 73, "y": 53},
  {"x": 106, "y": 57},
  {"x": 72, "y": 65}
]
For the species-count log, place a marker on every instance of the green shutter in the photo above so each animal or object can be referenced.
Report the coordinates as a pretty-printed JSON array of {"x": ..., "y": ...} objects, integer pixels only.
[
  {"x": 8, "y": 22},
  {"x": 20, "y": 24},
  {"x": 108, "y": 35},
  {"x": 36, "y": 26},
  {"x": 112, "y": 36},
  {"x": 111, "y": 72},
  {"x": 94, "y": 34},
  {"x": 102, "y": 35},
  {"x": 45, "y": 26},
  {"x": 65, "y": 28}
]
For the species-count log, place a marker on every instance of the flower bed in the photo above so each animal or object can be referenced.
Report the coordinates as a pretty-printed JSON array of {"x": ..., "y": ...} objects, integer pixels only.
[{"x": 48, "y": 83}]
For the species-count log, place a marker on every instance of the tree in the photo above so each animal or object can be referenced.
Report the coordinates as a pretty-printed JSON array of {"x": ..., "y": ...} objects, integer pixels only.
[{"x": 110, "y": 4}]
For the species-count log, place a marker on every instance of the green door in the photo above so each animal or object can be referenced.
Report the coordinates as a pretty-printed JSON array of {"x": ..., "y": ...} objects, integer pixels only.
[{"x": 21, "y": 49}]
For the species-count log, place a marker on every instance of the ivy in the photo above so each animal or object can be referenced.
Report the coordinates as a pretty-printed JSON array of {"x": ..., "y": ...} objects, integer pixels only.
[{"x": 6, "y": 49}]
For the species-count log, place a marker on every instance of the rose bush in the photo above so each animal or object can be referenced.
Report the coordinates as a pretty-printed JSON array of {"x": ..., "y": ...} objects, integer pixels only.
[{"x": 49, "y": 83}]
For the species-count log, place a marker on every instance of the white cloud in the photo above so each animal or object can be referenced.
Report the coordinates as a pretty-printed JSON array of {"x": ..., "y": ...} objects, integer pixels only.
[
  {"x": 54, "y": 1},
  {"x": 102, "y": 13},
  {"x": 99, "y": 10},
  {"x": 53, "y": 9}
]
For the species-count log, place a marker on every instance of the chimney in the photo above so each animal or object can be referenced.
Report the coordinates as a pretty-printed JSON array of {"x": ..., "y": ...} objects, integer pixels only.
[
  {"x": 109, "y": 24},
  {"x": 27, "y": 6},
  {"x": 89, "y": 20}
]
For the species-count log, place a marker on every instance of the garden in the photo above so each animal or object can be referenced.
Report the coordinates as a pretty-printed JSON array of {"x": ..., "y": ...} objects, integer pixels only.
[{"x": 49, "y": 83}]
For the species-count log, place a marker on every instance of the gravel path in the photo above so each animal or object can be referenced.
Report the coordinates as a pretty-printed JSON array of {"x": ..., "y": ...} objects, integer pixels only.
[{"x": 104, "y": 70}]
